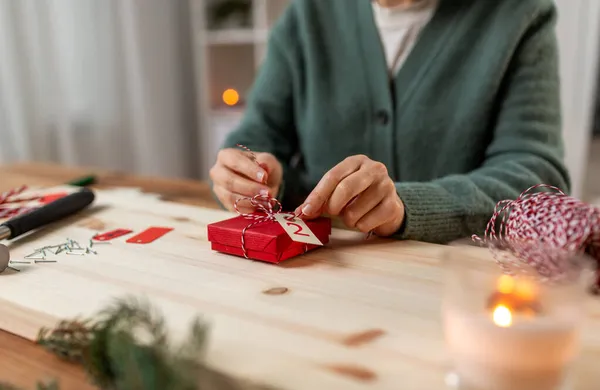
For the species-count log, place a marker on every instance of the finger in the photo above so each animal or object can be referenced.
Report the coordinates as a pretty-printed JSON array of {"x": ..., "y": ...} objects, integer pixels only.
[
  {"x": 267, "y": 161},
  {"x": 272, "y": 166},
  {"x": 379, "y": 215},
  {"x": 388, "y": 228},
  {"x": 364, "y": 203},
  {"x": 315, "y": 201},
  {"x": 235, "y": 183},
  {"x": 348, "y": 189},
  {"x": 228, "y": 200},
  {"x": 242, "y": 163},
  {"x": 224, "y": 197},
  {"x": 385, "y": 219}
]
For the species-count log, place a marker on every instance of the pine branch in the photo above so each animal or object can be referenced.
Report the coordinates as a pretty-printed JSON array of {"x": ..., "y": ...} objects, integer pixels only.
[
  {"x": 126, "y": 347},
  {"x": 68, "y": 340},
  {"x": 40, "y": 386},
  {"x": 49, "y": 386}
]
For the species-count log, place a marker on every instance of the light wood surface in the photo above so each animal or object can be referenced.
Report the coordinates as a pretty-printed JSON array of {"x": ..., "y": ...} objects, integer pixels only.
[
  {"x": 354, "y": 315},
  {"x": 22, "y": 363}
]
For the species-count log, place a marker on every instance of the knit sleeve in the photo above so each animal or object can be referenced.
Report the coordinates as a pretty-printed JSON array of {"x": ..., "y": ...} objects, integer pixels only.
[
  {"x": 526, "y": 149},
  {"x": 268, "y": 123}
]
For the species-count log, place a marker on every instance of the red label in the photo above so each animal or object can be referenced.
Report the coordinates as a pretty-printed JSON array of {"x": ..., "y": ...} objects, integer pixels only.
[
  {"x": 111, "y": 235},
  {"x": 149, "y": 235},
  {"x": 52, "y": 197}
]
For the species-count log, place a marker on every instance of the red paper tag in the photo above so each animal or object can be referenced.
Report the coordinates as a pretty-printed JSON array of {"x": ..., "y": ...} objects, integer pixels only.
[
  {"x": 111, "y": 235},
  {"x": 149, "y": 235},
  {"x": 52, "y": 197}
]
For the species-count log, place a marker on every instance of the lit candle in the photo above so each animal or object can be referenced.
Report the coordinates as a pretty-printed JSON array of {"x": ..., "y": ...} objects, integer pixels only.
[{"x": 511, "y": 344}]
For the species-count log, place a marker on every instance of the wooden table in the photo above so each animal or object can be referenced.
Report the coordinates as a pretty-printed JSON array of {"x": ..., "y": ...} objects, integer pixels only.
[{"x": 22, "y": 363}]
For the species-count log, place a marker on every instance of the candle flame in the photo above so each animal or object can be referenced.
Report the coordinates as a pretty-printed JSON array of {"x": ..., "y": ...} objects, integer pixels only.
[{"x": 502, "y": 316}]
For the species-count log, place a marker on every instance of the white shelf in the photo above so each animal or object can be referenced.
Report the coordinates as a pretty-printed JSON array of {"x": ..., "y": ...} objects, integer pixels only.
[
  {"x": 228, "y": 57},
  {"x": 237, "y": 37},
  {"x": 235, "y": 112}
]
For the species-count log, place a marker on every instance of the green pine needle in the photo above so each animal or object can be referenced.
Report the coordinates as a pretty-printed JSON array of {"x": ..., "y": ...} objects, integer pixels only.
[
  {"x": 126, "y": 347},
  {"x": 40, "y": 386}
]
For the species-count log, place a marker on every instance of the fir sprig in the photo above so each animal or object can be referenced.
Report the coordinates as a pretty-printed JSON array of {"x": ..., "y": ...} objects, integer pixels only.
[
  {"x": 126, "y": 347},
  {"x": 40, "y": 386}
]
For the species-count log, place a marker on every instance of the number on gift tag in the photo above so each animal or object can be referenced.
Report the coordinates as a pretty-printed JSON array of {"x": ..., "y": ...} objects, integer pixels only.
[{"x": 297, "y": 229}]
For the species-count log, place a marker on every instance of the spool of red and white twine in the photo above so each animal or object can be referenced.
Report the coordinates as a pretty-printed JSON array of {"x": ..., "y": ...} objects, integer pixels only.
[
  {"x": 9, "y": 200},
  {"x": 542, "y": 230},
  {"x": 5, "y": 196}
]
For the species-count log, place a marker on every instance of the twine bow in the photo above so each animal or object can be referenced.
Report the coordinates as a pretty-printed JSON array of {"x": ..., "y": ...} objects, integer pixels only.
[{"x": 265, "y": 208}]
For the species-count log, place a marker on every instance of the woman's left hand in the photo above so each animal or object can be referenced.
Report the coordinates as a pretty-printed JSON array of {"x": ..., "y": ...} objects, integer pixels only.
[{"x": 360, "y": 191}]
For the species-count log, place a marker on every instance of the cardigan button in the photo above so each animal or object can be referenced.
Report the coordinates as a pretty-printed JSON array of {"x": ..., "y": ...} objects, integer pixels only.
[{"x": 382, "y": 117}]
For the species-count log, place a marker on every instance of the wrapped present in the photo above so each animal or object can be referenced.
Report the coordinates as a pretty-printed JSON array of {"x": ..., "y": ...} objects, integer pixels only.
[{"x": 268, "y": 234}]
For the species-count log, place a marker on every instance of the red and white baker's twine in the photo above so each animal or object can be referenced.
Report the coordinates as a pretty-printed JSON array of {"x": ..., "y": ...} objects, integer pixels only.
[
  {"x": 542, "y": 230},
  {"x": 4, "y": 197},
  {"x": 264, "y": 204},
  {"x": 252, "y": 155},
  {"x": 9, "y": 199},
  {"x": 266, "y": 208}
]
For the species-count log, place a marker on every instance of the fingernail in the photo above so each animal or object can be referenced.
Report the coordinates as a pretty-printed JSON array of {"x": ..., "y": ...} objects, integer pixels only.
[
  {"x": 260, "y": 176},
  {"x": 264, "y": 192},
  {"x": 306, "y": 210}
]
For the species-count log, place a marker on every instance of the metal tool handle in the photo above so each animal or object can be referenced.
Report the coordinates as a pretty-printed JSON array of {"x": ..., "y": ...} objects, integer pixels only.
[{"x": 52, "y": 212}]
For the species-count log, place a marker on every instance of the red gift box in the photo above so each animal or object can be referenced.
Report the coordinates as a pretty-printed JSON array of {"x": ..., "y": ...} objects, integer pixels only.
[{"x": 265, "y": 241}]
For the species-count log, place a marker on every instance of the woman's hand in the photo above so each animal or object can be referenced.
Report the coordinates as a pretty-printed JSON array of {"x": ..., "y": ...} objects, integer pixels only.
[
  {"x": 236, "y": 175},
  {"x": 360, "y": 191}
]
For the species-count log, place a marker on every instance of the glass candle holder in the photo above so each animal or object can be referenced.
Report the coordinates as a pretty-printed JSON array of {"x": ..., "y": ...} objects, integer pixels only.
[{"x": 505, "y": 332}]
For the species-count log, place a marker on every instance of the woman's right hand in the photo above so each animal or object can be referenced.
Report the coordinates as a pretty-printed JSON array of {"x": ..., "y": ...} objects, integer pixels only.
[{"x": 235, "y": 175}]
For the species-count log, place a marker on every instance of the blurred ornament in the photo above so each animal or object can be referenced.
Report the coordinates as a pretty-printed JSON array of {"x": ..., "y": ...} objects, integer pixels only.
[{"x": 231, "y": 97}]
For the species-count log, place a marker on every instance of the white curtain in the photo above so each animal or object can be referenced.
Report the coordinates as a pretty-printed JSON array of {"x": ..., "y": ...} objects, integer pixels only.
[{"x": 106, "y": 83}]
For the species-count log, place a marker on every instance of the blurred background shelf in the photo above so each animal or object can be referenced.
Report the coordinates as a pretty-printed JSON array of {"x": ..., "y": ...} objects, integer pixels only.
[
  {"x": 230, "y": 38},
  {"x": 236, "y": 37}
]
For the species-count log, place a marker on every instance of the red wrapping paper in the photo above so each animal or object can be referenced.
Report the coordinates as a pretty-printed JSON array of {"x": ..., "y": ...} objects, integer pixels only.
[{"x": 266, "y": 241}]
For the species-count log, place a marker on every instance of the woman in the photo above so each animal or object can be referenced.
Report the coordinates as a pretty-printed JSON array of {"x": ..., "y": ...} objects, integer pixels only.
[{"x": 411, "y": 119}]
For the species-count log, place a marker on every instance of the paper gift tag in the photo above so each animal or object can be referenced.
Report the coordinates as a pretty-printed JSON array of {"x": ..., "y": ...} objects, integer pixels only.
[
  {"x": 52, "y": 197},
  {"x": 149, "y": 235},
  {"x": 297, "y": 229},
  {"x": 111, "y": 235}
]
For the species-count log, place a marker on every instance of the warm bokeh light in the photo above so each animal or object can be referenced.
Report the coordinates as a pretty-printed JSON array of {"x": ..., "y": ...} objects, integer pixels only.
[
  {"x": 526, "y": 290},
  {"x": 231, "y": 97},
  {"x": 522, "y": 288},
  {"x": 506, "y": 284},
  {"x": 502, "y": 316}
]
